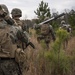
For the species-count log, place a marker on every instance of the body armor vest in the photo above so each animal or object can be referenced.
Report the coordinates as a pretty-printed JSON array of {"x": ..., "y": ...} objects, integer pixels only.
[{"x": 7, "y": 48}]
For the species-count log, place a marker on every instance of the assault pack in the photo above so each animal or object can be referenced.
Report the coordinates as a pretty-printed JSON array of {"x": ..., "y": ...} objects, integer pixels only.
[
  {"x": 45, "y": 29},
  {"x": 7, "y": 48}
]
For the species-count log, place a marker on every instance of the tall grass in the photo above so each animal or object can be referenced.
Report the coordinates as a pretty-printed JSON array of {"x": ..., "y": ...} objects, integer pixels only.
[{"x": 53, "y": 62}]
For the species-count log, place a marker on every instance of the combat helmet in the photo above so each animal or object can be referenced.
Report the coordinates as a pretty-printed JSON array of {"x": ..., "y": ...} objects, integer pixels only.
[
  {"x": 16, "y": 12},
  {"x": 5, "y": 9},
  {"x": 63, "y": 22}
]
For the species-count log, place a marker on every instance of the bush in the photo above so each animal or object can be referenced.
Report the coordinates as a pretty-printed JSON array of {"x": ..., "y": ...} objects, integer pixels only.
[{"x": 59, "y": 61}]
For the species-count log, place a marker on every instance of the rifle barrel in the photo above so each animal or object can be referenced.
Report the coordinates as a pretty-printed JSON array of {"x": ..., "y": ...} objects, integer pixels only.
[{"x": 51, "y": 19}]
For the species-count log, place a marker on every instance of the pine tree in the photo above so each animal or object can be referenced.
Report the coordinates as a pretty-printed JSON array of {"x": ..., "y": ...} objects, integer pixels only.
[{"x": 42, "y": 11}]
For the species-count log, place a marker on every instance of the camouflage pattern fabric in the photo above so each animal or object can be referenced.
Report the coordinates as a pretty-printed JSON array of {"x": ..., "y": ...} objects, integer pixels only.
[
  {"x": 66, "y": 27},
  {"x": 16, "y": 12},
  {"x": 50, "y": 33},
  {"x": 46, "y": 40},
  {"x": 9, "y": 67},
  {"x": 47, "y": 34},
  {"x": 18, "y": 22},
  {"x": 45, "y": 29}
]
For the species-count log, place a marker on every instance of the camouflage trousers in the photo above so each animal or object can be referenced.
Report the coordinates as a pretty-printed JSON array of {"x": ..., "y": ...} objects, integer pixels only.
[
  {"x": 46, "y": 40},
  {"x": 65, "y": 44},
  {"x": 9, "y": 67}
]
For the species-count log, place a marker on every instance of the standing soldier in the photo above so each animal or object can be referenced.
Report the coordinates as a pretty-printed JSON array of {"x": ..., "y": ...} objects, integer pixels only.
[
  {"x": 46, "y": 33},
  {"x": 22, "y": 36},
  {"x": 16, "y": 14},
  {"x": 66, "y": 27},
  {"x": 8, "y": 50}
]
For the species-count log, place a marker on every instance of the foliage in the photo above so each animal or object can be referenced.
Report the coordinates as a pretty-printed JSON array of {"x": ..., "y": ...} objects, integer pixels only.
[
  {"x": 56, "y": 61},
  {"x": 62, "y": 34},
  {"x": 61, "y": 66},
  {"x": 56, "y": 22},
  {"x": 59, "y": 61},
  {"x": 71, "y": 18},
  {"x": 42, "y": 11}
]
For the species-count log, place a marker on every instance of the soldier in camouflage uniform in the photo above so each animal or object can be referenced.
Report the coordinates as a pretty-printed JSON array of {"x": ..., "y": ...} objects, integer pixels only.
[
  {"x": 8, "y": 50},
  {"x": 16, "y": 14},
  {"x": 46, "y": 33},
  {"x": 66, "y": 27},
  {"x": 22, "y": 36}
]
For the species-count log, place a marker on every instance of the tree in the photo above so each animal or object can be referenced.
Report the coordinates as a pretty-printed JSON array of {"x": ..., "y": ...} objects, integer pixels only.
[
  {"x": 42, "y": 11},
  {"x": 56, "y": 22},
  {"x": 71, "y": 18},
  {"x": 27, "y": 24}
]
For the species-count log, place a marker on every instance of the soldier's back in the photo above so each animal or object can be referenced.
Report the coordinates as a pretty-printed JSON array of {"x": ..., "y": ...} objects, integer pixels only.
[
  {"x": 8, "y": 65},
  {"x": 45, "y": 29}
]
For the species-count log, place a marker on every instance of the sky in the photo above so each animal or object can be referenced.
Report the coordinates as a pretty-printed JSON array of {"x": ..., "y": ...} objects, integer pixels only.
[{"x": 29, "y": 6}]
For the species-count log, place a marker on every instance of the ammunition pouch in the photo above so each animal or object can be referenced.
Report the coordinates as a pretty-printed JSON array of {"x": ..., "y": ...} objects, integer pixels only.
[{"x": 19, "y": 55}]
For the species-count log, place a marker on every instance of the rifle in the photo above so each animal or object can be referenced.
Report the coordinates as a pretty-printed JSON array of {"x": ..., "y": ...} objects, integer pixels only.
[
  {"x": 23, "y": 36},
  {"x": 49, "y": 20}
]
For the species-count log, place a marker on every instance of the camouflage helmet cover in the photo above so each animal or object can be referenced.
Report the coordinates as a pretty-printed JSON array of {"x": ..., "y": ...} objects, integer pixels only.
[
  {"x": 16, "y": 12},
  {"x": 4, "y": 7},
  {"x": 63, "y": 22}
]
